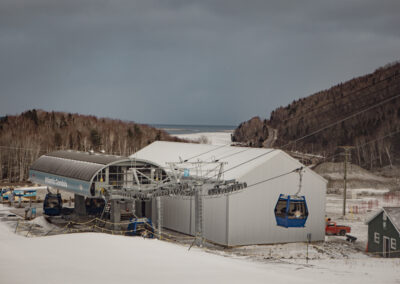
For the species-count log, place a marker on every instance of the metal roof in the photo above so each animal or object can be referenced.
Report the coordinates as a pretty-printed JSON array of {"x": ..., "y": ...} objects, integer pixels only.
[
  {"x": 239, "y": 160},
  {"x": 74, "y": 164},
  {"x": 163, "y": 152},
  {"x": 392, "y": 212},
  {"x": 394, "y": 215},
  {"x": 87, "y": 157}
]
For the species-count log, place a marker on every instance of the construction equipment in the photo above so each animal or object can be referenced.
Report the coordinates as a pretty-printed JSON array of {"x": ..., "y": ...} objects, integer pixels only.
[
  {"x": 52, "y": 204},
  {"x": 141, "y": 227}
]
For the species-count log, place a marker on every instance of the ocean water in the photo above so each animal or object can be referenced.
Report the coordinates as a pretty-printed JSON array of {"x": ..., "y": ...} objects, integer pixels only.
[{"x": 176, "y": 129}]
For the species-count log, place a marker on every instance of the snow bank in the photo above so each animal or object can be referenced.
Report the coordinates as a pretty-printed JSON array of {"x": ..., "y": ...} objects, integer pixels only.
[
  {"x": 41, "y": 221},
  {"x": 214, "y": 138},
  {"x": 101, "y": 258},
  {"x": 369, "y": 191}
]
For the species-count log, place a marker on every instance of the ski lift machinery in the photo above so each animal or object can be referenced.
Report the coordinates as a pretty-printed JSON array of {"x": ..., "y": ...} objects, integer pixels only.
[{"x": 291, "y": 210}]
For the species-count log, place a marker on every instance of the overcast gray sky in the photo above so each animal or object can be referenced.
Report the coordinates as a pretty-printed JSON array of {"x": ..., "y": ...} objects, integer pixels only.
[{"x": 186, "y": 62}]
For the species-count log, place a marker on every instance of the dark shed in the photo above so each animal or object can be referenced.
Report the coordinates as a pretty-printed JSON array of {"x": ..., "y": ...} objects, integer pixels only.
[{"x": 384, "y": 232}]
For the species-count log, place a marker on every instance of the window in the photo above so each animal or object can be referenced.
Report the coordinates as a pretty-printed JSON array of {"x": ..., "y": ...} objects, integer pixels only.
[
  {"x": 376, "y": 237},
  {"x": 280, "y": 209},
  {"x": 393, "y": 244},
  {"x": 297, "y": 210},
  {"x": 384, "y": 218}
]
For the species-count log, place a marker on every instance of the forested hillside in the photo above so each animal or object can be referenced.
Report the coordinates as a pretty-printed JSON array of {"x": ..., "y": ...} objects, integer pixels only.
[
  {"x": 23, "y": 138},
  {"x": 363, "y": 112}
]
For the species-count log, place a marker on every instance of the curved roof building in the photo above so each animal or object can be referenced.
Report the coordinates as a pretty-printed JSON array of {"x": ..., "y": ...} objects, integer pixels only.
[{"x": 86, "y": 173}]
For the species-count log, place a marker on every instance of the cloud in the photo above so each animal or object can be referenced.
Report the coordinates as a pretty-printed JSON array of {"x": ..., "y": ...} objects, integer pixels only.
[{"x": 212, "y": 62}]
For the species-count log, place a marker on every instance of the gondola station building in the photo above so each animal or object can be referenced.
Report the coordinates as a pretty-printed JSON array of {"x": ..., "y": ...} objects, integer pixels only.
[{"x": 256, "y": 214}]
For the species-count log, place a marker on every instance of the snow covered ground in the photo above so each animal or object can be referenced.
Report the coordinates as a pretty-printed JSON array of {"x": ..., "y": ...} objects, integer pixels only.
[
  {"x": 214, "y": 138},
  {"x": 104, "y": 258}
]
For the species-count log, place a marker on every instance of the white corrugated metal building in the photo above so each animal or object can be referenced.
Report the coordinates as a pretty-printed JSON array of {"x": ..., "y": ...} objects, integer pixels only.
[{"x": 245, "y": 217}]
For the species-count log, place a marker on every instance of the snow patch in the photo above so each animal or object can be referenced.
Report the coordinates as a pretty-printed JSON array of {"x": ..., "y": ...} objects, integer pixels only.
[{"x": 214, "y": 138}]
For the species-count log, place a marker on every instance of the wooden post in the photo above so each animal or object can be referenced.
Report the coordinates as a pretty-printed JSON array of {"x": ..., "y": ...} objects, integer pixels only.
[
  {"x": 308, "y": 242},
  {"x": 346, "y": 160},
  {"x": 345, "y": 182}
]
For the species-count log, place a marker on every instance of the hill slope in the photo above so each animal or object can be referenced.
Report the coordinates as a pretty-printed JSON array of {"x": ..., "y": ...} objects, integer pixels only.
[{"x": 370, "y": 101}]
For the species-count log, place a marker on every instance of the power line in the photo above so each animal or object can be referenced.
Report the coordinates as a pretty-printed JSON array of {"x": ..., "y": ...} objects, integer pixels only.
[
  {"x": 291, "y": 142},
  {"x": 348, "y": 94},
  {"x": 294, "y": 141},
  {"x": 230, "y": 155},
  {"x": 275, "y": 177},
  {"x": 319, "y": 130},
  {"x": 200, "y": 154},
  {"x": 314, "y": 109},
  {"x": 246, "y": 187},
  {"x": 295, "y": 170},
  {"x": 22, "y": 148},
  {"x": 369, "y": 142},
  {"x": 315, "y": 132},
  {"x": 344, "y": 119},
  {"x": 54, "y": 149},
  {"x": 380, "y": 138}
]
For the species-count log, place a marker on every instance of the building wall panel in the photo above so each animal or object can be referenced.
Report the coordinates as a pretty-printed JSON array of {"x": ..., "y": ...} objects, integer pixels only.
[
  {"x": 250, "y": 218},
  {"x": 251, "y": 212},
  {"x": 178, "y": 214},
  {"x": 215, "y": 219}
]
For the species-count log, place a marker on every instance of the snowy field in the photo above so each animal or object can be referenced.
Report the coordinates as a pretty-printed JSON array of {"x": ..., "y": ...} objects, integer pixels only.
[
  {"x": 213, "y": 138},
  {"x": 104, "y": 258}
]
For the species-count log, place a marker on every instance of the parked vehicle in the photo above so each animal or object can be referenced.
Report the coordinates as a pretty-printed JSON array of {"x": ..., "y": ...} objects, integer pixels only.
[{"x": 332, "y": 228}]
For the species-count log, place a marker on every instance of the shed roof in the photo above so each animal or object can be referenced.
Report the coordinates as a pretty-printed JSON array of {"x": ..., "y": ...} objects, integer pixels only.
[
  {"x": 393, "y": 214},
  {"x": 240, "y": 160},
  {"x": 74, "y": 164}
]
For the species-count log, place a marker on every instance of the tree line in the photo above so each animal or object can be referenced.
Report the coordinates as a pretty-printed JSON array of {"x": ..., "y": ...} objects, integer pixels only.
[
  {"x": 25, "y": 137},
  {"x": 374, "y": 133}
]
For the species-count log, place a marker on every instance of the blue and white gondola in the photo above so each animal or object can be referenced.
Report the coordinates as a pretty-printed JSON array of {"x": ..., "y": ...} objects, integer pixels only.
[{"x": 291, "y": 210}]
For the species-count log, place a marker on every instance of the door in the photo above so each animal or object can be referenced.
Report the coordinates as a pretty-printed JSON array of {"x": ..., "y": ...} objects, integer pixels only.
[{"x": 386, "y": 246}]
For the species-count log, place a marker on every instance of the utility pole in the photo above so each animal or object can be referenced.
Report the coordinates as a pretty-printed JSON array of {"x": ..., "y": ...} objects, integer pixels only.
[
  {"x": 198, "y": 204},
  {"x": 347, "y": 155},
  {"x": 159, "y": 216}
]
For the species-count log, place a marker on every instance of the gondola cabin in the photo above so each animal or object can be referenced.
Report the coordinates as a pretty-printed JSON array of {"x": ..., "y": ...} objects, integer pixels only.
[
  {"x": 291, "y": 211},
  {"x": 52, "y": 204}
]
